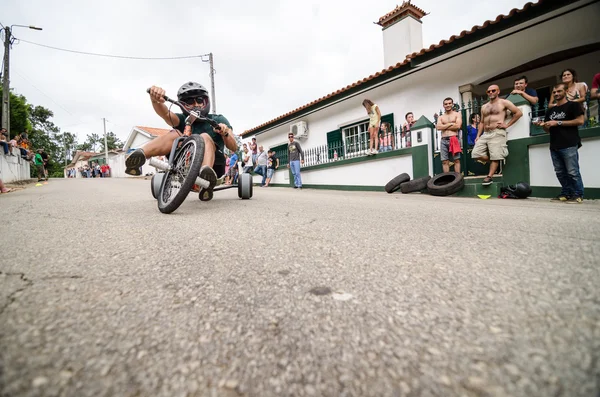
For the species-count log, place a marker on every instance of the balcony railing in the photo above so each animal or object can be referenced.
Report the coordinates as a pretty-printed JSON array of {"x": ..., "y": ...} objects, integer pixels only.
[
  {"x": 353, "y": 147},
  {"x": 590, "y": 107}
]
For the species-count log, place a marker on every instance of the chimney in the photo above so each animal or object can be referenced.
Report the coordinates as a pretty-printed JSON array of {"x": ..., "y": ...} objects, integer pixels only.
[{"x": 402, "y": 32}]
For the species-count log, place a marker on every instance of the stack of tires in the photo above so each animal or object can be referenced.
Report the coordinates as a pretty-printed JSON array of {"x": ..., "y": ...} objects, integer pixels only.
[{"x": 444, "y": 184}]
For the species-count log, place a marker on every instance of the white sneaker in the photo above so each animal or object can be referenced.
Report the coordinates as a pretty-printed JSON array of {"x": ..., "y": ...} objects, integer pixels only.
[{"x": 375, "y": 151}]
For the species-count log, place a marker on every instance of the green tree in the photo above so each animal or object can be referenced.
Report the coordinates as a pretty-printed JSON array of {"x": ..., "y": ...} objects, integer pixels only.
[
  {"x": 94, "y": 139},
  {"x": 112, "y": 141},
  {"x": 19, "y": 114},
  {"x": 85, "y": 146}
]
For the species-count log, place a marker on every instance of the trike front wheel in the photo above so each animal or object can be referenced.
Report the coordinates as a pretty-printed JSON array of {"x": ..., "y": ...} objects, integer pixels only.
[{"x": 178, "y": 181}]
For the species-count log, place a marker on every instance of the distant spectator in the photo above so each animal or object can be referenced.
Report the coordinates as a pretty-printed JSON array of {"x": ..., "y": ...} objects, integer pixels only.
[
  {"x": 271, "y": 166},
  {"x": 562, "y": 122},
  {"x": 410, "y": 121},
  {"x": 46, "y": 160},
  {"x": 232, "y": 173},
  {"x": 3, "y": 141},
  {"x": 575, "y": 90},
  {"x": 520, "y": 88},
  {"x": 472, "y": 128},
  {"x": 253, "y": 149},
  {"x": 3, "y": 188},
  {"x": 595, "y": 86},
  {"x": 261, "y": 165},
  {"x": 374, "y": 122},
  {"x": 386, "y": 140},
  {"x": 450, "y": 122},
  {"x": 247, "y": 159},
  {"x": 295, "y": 158},
  {"x": 39, "y": 164}
]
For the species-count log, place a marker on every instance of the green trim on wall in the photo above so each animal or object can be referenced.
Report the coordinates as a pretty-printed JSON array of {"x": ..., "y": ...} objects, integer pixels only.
[
  {"x": 423, "y": 122},
  {"x": 348, "y": 188},
  {"x": 517, "y": 168},
  {"x": 553, "y": 191},
  {"x": 420, "y": 161},
  {"x": 393, "y": 153}
]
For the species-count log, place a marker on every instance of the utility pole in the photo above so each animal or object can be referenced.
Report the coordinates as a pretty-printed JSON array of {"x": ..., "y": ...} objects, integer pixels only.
[
  {"x": 8, "y": 37},
  {"x": 212, "y": 83},
  {"x": 6, "y": 83},
  {"x": 105, "y": 142}
]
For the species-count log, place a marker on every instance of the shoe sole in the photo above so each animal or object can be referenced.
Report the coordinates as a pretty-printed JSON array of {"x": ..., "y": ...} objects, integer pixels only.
[
  {"x": 209, "y": 175},
  {"x": 134, "y": 162}
]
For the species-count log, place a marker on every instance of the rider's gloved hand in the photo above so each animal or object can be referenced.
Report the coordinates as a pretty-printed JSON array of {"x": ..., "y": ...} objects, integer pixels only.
[{"x": 156, "y": 94}]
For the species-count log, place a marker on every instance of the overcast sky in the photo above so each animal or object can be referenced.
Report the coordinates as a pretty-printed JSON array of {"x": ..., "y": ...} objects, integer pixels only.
[{"x": 271, "y": 56}]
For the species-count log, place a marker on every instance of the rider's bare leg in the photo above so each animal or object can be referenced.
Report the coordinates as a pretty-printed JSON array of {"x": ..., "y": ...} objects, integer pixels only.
[
  {"x": 160, "y": 146},
  {"x": 209, "y": 150}
]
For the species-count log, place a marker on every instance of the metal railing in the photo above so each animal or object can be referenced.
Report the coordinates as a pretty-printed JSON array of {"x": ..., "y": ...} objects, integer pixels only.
[
  {"x": 590, "y": 107},
  {"x": 353, "y": 147}
]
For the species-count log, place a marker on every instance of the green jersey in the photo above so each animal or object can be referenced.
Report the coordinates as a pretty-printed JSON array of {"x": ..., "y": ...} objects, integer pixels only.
[{"x": 200, "y": 127}]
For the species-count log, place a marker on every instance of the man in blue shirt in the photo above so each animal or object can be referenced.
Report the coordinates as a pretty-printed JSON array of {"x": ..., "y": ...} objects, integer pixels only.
[{"x": 520, "y": 88}]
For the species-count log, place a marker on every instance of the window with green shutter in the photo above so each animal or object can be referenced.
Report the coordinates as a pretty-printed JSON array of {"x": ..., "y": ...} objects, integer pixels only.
[
  {"x": 281, "y": 152},
  {"x": 335, "y": 144}
]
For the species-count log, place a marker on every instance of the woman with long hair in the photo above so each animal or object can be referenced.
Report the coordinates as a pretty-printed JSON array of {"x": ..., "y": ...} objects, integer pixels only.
[
  {"x": 575, "y": 90},
  {"x": 374, "y": 122}
]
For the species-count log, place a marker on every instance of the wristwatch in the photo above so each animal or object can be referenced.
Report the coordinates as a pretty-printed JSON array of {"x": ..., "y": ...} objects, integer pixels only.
[{"x": 559, "y": 122}]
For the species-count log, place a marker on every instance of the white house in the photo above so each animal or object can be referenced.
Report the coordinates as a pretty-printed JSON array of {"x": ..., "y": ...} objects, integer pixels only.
[
  {"x": 137, "y": 137},
  {"x": 539, "y": 41}
]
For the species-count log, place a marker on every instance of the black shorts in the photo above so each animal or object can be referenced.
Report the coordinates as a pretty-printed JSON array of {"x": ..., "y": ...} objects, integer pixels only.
[{"x": 219, "y": 165}]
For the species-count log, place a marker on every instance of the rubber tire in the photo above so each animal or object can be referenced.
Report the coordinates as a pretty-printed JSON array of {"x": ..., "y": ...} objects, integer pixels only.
[
  {"x": 155, "y": 183},
  {"x": 416, "y": 185},
  {"x": 190, "y": 179},
  {"x": 395, "y": 183},
  {"x": 245, "y": 186},
  {"x": 204, "y": 192},
  {"x": 445, "y": 184}
]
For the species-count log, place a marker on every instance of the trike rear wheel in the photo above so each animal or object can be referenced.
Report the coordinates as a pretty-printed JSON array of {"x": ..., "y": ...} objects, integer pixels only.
[{"x": 178, "y": 181}]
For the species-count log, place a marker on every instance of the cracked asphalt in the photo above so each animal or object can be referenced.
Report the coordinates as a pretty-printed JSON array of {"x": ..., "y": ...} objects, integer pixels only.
[{"x": 296, "y": 293}]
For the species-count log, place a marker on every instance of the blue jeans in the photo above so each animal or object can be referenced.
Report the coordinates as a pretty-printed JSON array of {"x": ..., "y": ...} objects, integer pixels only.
[
  {"x": 566, "y": 166},
  {"x": 295, "y": 167},
  {"x": 5, "y": 147},
  {"x": 261, "y": 170}
]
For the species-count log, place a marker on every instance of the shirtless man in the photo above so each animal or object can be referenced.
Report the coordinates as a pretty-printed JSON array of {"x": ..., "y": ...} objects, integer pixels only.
[
  {"x": 490, "y": 143},
  {"x": 449, "y": 123}
]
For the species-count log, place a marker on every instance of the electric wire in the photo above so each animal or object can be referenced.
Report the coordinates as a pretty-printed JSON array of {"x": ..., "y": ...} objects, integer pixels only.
[{"x": 110, "y": 55}]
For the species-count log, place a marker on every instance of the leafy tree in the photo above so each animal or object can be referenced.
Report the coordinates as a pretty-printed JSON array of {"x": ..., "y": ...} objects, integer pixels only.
[
  {"x": 19, "y": 117},
  {"x": 85, "y": 146},
  {"x": 112, "y": 141}
]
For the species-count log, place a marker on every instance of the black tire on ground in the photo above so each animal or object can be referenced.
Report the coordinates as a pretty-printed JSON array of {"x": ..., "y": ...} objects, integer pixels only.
[
  {"x": 184, "y": 173},
  {"x": 445, "y": 184},
  {"x": 155, "y": 183},
  {"x": 415, "y": 185},
  {"x": 395, "y": 183},
  {"x": 245, "y": 186}
]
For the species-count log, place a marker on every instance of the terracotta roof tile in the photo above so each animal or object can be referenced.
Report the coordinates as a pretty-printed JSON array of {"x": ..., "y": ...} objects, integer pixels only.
[
  {"x": 406, "y": 7},
  {"x": 399, "y": 64},
  {"x": 154, "y": 131}
]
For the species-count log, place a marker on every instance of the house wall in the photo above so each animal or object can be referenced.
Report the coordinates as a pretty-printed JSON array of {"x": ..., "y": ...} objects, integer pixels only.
[
  {"x": 139, "y": 140},
  {"x": 423, "y": 90},
  {"x": 542, "y": 170},
  {"x": 14, "y": 168}
]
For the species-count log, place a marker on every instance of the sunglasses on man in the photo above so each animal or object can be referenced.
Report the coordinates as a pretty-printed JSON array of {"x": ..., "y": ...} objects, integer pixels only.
[{"x": 199, "y": 100}]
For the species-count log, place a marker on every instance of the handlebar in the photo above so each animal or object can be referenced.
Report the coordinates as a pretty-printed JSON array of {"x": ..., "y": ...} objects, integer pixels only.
[{"x": 192, "y": 112}]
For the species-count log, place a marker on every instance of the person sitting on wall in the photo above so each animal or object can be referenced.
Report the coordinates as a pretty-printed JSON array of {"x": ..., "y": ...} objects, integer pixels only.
[{"x": 520, "y": 88}]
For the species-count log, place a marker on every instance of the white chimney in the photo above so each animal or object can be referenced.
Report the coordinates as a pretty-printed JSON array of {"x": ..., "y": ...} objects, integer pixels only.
[{"x": 402, "y": 33}]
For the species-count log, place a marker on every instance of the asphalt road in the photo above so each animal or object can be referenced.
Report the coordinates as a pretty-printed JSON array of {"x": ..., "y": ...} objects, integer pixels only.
[{"x": 295, "y": 293}]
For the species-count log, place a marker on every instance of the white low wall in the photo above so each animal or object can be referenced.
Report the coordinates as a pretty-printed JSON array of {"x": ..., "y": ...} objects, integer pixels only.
[
  {"x": 542, "y": 171},
  {"x": 13, "y": 168},
  {"x": 369, "y": 173}
]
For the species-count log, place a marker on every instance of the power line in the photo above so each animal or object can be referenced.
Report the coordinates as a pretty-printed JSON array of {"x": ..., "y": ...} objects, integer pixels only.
[{"x": 109, "y": 55}]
